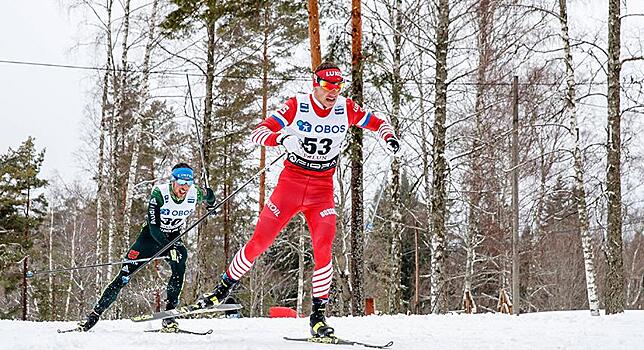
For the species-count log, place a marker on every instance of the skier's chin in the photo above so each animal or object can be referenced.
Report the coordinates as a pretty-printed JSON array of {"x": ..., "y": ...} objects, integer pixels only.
[{"x": 330, "y": 101}]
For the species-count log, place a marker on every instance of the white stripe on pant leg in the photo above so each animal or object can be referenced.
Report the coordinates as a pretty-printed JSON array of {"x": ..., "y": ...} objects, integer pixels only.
[
  {"x": 322, "y": 290},
  {"x": 322, "y": 276},
  {"x": 240, "y": 265},
  {"x": 322, "y": 280},
  {"x": 322, "y": 270},
  {"x": 243, "y": 259}
]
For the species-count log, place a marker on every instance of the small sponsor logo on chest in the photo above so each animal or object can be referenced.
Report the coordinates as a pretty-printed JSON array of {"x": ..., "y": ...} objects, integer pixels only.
[
  {"x": 176, "y": 212},
  {"x": 305, "y": 126}
]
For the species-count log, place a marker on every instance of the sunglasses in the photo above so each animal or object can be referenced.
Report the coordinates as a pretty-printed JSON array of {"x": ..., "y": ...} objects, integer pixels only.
[
  {"x": 184, "y": 182},
  {"x": 329, "y": 86}
]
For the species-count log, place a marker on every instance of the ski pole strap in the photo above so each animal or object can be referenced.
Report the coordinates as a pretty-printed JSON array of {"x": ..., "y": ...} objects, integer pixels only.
[
  {"x": 211, "y": 211},
  {"x": 30, "y": 274}
]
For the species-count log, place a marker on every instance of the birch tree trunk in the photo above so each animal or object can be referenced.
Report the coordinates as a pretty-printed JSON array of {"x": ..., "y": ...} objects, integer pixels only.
[
  {"x": 100, "y": 176},
  {"x": 476, "y": 175},
  {"x": 614, "y": 290},
  {"x": 395, "y": 297},
  {"x": 73, "y": 264},
  {"x": 357, "y": 218},
  {"x": 112, "y": 171},
  {"x": 137, "y": 125},
  {"x": 578, "y": 165},
  {"x": 123, "y": 110},
  {"x": 439, "y": 183}
]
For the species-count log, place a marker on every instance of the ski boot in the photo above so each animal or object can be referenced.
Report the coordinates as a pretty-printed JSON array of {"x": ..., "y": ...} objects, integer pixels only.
[
  {"x": 89, "y": 321},
  {"x": 319, "y": 327},
  {"x": 169, "y": 325},
  {"x": 219, "y": 294}
]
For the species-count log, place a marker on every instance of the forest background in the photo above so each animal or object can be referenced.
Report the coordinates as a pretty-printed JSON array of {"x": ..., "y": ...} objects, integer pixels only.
[{"x": 437, "y": 228}]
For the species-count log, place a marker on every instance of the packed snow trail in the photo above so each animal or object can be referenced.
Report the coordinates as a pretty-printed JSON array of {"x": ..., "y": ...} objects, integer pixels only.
[{"x": 536, "y": 331}]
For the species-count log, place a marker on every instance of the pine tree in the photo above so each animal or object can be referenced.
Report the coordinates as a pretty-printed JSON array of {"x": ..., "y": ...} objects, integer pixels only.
[{"x": 20, "y": 212}]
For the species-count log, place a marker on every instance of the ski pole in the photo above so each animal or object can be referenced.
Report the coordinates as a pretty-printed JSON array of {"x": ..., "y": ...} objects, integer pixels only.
[
  {"x": 30, "y": 274},
  {"x": 204, "y": 170},
  {"x": 210, "y": 212}
]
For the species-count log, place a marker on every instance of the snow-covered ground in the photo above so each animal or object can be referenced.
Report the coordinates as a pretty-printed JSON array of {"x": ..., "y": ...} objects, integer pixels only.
[{"x": 547, "y": 330}]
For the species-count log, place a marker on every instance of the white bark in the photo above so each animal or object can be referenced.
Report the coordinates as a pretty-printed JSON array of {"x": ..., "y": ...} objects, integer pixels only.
[
  {"x": 136, "y": 134},
  {"x": 584, "y": 233},
  {"x": 72, "y": 264}
]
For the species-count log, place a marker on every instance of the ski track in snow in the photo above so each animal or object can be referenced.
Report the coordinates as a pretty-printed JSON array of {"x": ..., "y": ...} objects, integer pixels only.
[{"x": 545, "y": 330}]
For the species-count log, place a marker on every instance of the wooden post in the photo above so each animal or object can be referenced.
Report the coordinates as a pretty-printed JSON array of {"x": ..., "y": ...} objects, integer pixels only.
[
  {"x": 416, "y": 275},
  {"x": 515, "y": 195},
  {"x": 370, "y": 306}
]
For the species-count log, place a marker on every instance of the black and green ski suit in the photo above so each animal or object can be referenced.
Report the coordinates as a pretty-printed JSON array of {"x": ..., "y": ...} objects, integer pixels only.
[{"x": 165, "y": 219}]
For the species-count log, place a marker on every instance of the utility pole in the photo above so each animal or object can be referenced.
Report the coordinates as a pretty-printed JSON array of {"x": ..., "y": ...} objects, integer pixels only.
[{"x": 515, "y": 196}]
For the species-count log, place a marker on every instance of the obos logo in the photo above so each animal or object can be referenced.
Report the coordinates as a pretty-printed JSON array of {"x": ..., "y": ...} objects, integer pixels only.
[
  {"x": 330, "y": 129},
  {"x": 176, "y": 212},
  {"x": 304, "y": 126}
]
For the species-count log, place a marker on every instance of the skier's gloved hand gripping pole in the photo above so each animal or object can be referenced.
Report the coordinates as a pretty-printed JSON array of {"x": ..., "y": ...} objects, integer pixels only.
[{"x": 211, "y": 211}]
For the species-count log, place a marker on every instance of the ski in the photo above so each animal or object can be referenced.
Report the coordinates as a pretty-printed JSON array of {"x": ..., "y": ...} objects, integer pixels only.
[
  {"x": 69, "y": 330},
  {"x": 185, "y": 310},
  {"x": 339, "y": 341},
  {"x": 177, "y": 330}
]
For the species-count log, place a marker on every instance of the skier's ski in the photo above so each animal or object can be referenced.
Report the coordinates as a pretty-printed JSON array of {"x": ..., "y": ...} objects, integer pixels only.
[
  {"x": 339, "y": 341},
  {"x": 76, "y": 329},
  {"x": 185, "y": 310},
  {"x": 177, "y": 330}
]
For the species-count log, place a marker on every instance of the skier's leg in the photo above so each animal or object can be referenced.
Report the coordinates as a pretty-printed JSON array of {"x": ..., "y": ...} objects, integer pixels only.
[
  {"x": 175, "y": 283},
  {"x": 283, "y": 204},
  {"x": 321, "y": 218},
  {"x": 144, "y": 247}
]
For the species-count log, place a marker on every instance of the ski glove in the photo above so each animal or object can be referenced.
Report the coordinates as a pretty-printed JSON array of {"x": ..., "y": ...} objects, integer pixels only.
[
  {"x": 393, "y": 146},
  {"x": 290, "y": 142},
  {"x": 210, "y": 201},
  {"x": 211, "y": 209}
]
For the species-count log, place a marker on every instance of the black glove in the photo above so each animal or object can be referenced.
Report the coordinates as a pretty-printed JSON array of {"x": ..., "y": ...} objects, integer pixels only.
[
  {"x": 210, "y": 200},
  {"x": 211, "y": 209},
  {"x": 393, "y": 146}
]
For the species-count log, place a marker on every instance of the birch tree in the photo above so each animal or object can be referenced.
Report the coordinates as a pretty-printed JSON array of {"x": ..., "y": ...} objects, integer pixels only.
[{"x": 578, "y": 164}]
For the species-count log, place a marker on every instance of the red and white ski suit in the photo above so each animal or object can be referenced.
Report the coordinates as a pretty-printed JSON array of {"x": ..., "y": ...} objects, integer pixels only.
[{"x": 306, "y": 182}]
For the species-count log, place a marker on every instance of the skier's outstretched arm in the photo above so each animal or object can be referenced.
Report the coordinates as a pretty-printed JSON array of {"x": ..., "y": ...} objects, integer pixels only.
[
  {"x": 367, "y": 120},
  {"x": 267, "y": 132}
]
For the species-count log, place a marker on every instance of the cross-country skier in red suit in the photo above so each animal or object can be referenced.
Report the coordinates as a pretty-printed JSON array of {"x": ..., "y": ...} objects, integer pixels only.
[{"x": 311, "y": 127}]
